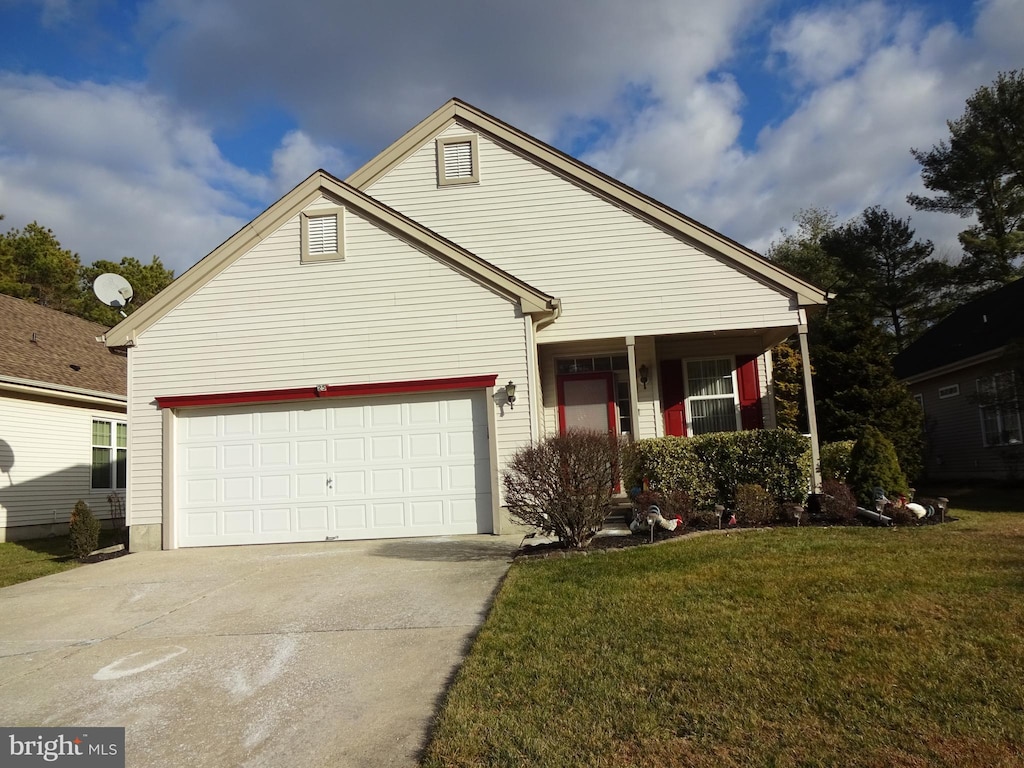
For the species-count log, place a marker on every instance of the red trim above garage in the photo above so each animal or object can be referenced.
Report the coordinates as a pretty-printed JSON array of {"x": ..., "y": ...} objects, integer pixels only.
[{"x": 331, "y": 390}]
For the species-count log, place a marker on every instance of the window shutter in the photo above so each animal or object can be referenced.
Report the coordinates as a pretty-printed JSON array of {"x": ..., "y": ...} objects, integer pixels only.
[
  {"x": 673, "y": 398},
  {"x": 458, "y": 160},
  {"x": 751, "y": 415},
  {"x": 323, "y": 234}
]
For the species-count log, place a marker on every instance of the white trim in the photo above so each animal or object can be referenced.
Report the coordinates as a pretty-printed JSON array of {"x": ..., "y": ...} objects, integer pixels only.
[
  {"x": 1003, "y": 409},
  {"x": 473, "y": 176},
  {"x": 310, "y": 237},
  {"x": 951, "y": 390},
  {"x": 29, "y": 386}
]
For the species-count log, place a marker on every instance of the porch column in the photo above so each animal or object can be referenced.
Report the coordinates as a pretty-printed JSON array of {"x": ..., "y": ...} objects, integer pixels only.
[
  {"x": 812, "y": 419},
  {"x": 634, "y": 393}
]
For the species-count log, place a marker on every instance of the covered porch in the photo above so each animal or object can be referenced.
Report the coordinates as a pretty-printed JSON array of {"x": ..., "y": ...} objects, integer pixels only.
[{"x": 671, "y": 384}]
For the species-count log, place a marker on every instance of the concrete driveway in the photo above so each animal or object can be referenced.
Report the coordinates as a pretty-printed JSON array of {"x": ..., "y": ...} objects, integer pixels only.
[{"x": 325, "y": 654}]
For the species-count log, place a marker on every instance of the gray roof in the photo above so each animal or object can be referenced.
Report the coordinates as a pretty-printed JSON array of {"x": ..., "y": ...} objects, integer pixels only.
[{"x": 983, "y": 325}]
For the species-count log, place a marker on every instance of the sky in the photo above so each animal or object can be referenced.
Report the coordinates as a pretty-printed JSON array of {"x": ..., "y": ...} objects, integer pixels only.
[{"x": 162, "y": 127}]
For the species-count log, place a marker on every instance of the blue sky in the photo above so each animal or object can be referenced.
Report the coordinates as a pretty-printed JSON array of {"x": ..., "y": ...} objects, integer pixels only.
[{"x": 162, "y": 127}]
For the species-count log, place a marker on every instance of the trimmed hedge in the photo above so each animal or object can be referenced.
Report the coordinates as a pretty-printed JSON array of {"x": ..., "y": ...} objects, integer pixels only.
[{"x": 710, "y": 467}]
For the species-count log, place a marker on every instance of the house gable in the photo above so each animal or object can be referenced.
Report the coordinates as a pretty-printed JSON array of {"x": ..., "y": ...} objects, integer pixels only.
[
  {"x": 323, "y": 191},
  {"x": 387, "y": 174}
]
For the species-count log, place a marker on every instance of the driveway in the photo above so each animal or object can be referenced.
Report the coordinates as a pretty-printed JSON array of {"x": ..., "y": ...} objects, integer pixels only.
[{"x": 325, "y": 654}]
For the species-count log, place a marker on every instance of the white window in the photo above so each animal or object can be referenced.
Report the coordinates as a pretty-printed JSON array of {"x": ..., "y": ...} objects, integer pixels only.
[
  {"x": 109, "y": 454},
  {"x": 323, "y": 235},
  {"x": 712, "y": 401},
  {"x": 1000, "y": 409},
  {"x": 457, "y": 160},
  {"x": 947, "y": 392}
]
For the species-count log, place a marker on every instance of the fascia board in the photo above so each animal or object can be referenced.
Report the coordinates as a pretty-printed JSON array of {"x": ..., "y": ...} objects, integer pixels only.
[
  {"x": 28, "y": 386},
  {"x": 967, "y": 362}
]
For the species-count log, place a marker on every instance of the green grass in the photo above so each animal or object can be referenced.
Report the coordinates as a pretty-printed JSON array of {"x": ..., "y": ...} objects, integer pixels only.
[
  {"x": 795, "y": 647},
  {"x": 26, "y": 560}
]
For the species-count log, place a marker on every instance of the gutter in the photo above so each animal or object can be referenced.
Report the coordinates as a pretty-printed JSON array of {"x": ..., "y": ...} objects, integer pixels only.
[
  {"x": 966, "y": 362},
  {"x": 28, "y": 386}
]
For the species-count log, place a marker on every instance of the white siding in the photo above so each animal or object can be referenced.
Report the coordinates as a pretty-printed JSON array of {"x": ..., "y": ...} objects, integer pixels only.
[
  {"x": 388, "y": 312},
  {"x": 615, "y": 273},
  {"x": 45, "y": 461}
]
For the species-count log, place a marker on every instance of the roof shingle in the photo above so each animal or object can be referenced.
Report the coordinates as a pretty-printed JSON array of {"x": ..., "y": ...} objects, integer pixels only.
[
  {"x": 983, "y": 325},
  {"x": 41, "y": 344}
]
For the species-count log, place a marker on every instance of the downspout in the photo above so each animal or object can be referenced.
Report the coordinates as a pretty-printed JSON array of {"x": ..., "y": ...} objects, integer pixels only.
[
  {"x": 533, "y": 377},
  {"x": 812, "y": 419}
]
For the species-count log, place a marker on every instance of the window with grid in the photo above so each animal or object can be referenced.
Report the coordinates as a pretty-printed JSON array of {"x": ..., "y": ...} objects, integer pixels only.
[
  {"x": 109, "y": 454},
  {"x": 712, "y": 404},
  {"x": 1000, "y": 409}
]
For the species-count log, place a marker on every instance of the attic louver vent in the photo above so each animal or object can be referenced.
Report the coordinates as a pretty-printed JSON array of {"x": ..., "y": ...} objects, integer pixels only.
[
  {"x": 458, "y": 160},
  {"x": 323, "y": 234}
]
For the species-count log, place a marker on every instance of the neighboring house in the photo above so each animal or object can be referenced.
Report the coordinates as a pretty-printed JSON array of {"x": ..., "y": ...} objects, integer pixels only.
[
  {"x": 958, "y": 372},
  {"x": 340, "y": 367},
  {"x": 63, "y": 429}
]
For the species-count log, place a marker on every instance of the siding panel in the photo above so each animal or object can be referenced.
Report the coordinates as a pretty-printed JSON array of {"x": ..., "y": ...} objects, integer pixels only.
[
  {"x": 615, "y": 273},
  {"x": 47, "y": 459},
  {"x": 388, "y": 312}
]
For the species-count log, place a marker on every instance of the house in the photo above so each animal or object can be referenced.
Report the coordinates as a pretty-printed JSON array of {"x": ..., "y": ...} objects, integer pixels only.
[
  {"x": 363, "y": 358},
  {"x": 959, "y": 373},
  {"x": 63, "y": 426}
]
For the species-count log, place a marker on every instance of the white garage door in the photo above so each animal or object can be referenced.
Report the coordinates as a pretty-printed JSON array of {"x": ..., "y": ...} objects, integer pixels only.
[{"x": 365, "y": 468}]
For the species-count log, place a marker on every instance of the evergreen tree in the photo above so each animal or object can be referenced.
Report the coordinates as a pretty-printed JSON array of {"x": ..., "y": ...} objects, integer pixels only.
[
  {"x": 979, "y": 171},
  {"x": 882, "y": 267},
  {"x": 34, "y": 266}
]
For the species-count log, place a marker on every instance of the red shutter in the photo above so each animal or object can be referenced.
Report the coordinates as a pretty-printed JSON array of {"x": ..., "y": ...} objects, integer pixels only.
[
  {"x": 673, "y": 397},
  {"x": 751, "y": 413}
]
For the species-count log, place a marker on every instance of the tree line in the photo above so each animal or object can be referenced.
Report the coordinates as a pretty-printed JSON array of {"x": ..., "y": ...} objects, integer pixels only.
[
  {"x": 889, "y": 287},
  {"x": 36, "y": 267}
]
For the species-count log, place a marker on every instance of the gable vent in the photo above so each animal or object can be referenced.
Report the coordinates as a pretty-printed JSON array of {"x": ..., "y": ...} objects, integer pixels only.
[
  {"x": 323, "y": 234},
  {"x": 458, "y": 160}
]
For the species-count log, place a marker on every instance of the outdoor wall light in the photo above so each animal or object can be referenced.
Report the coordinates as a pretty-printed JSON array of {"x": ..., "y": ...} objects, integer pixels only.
[
  {"x": 643, "y": 375},
  {"x": 510, "y": 394}
]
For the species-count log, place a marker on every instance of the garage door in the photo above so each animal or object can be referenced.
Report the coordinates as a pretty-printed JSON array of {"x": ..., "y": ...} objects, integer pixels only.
[{"x": 362, "y": 468}]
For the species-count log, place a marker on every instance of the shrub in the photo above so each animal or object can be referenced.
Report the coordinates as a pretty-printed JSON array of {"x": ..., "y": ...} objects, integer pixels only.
[
  {"x": 710, "y": 467},
  {"x": 835, "y": 460},
  {"x": 873, "y": 464},
  {"x": 668, "y": 463},
  {"x": 838, "y": 504},
  {"x": 84, "y": 531},
  {"x": 563, "y": 485},
  {"x": 754, "y": 505}
]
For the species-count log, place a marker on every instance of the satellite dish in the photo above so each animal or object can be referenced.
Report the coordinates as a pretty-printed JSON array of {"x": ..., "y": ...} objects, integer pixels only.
[{"x": 113, "y": 290}]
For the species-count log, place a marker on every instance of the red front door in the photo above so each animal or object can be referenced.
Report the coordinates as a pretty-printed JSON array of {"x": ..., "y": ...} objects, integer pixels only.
[{"x": 586, "y": 401}]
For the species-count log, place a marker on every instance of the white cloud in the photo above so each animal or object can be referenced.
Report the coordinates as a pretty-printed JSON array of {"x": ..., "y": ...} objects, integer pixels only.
[
  {"x": 120, "y": 170},
  {"x": 117, "y": 171},
  {"x": 823, "y": 43},
  {"x": 298, "y": 156}
]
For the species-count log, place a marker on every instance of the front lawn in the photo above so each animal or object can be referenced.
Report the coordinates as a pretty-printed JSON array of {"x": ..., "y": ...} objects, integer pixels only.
[
  {"x": 795, "y": 647},
  {"x": 26, "y": 560}
]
